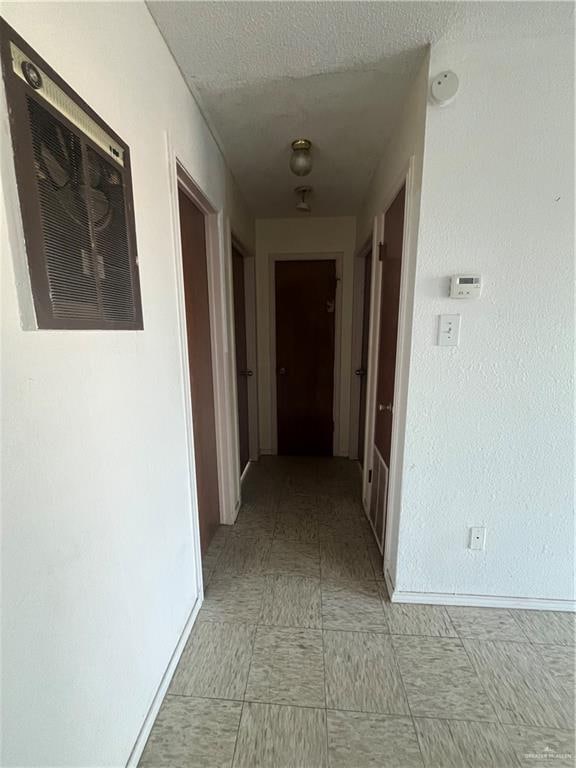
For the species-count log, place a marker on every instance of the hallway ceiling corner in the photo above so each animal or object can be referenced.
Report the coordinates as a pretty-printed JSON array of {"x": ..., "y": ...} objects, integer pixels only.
[{"x": 264, "y": 73}]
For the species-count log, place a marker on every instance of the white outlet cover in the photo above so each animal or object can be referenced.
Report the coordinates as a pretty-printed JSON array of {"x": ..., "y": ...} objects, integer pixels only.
[
  {"x": 444, "y": 87},
  {"x": 477, "y": 537}
]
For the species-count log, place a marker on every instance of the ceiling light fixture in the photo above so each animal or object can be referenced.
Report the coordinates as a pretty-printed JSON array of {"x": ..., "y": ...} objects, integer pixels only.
[
  {"x": 301, "y": 160},
  {"x": 302, "y": 205}
]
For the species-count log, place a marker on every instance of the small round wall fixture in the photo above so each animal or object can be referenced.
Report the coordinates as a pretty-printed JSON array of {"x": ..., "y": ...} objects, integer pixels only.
[
  {"x": 303, "y": 205},
  {"x": 301, "y": 159},
  {"x": 444, "y": 88}
]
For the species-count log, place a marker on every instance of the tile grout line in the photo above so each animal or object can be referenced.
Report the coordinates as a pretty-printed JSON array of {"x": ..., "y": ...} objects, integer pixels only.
[
  {"x": 407, "y": 702},
  {"x": 237, "y": 735},
  {"x": 326, "y": 735},
  {"x": 390, "y": 715}
]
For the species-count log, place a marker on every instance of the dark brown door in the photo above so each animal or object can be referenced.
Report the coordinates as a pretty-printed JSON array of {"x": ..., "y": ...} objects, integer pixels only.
[
  {"x": 305, "y": 311},
  {"x": 195, "y": 270},
  {"x": 242, "y": 372},
  {"x": 361, "y": 372},
  {"x": 391, "y": 256}
]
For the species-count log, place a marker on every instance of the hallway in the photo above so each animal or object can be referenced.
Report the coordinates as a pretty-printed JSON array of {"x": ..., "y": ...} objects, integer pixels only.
[{"x": 299, "y": 659}]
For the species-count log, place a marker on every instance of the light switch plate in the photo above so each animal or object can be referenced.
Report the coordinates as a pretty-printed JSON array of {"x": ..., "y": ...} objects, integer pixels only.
[{"x": 448, "y": 330}]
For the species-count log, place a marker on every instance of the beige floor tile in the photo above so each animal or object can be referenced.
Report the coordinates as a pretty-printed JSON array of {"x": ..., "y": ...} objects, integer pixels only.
[
  {"x": 233, "y": 598},
  {"x": 361, "y": 673},
  {"x": 292, "y": 601},
  {"x": 273, "y": 736},
  {"x": 461, "y": 744},
  {"x": 345, "y": 529},
  {"x": 364, "y": 740},
  {"x": 255, "y": 520},
  {"x": 485, "y": 624},
  {"x": 409, "y": 619},
  {"x": 440, "y": 680},
  {"x": 244, "y": 556},
  {"x": 294, "y": 558},
  {"x": 215, "y": 661},
  {"x": 554, "y": 627},
  {"x": 353, "y": 605},
  {"x": 301, "y": 503},
  {"x": 345, "y": 560},
  {"x": 522, "y": 692},
  {"x": 559, "y": 662},
  {"x": 193, "y": 733},
  {"x": 287, "y": 667},
  {"x": 297, "y": 525}
]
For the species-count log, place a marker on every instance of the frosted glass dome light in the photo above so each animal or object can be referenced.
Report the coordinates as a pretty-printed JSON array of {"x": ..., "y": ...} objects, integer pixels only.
[{"x": 301, "y": 159}]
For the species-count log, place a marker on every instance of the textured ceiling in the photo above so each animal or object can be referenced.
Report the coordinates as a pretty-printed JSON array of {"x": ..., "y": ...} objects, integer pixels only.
[{"x": 265, "y": 73}]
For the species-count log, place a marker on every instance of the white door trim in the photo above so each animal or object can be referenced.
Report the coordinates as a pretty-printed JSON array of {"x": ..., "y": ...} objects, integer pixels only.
[
  {"x": 251, "y": 347},
  {"x": 404, "y": 340},
  {"x": 338, "y": 257},
  {"x": 356, "y": 352},
  {"x": 217, "y": 253}
]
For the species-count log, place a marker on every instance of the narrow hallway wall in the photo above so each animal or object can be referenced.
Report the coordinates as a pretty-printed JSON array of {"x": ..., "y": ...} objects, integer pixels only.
[
  {"x": 490, "y": 424},
  {"x": 98, "y": 567}
]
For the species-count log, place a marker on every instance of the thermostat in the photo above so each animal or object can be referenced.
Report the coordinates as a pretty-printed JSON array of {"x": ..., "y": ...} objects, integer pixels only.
[{"x": 465, "y": 286}]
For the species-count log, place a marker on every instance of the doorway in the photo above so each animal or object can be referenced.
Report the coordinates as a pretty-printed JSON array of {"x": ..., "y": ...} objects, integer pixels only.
[
  {"x": 243, "y": 373},
  {"x": 362, "y": 370},
  {"x": 305, "y": 298},
  {"x": 195, "y": 276},
  {"x": 390, "y": 256}
]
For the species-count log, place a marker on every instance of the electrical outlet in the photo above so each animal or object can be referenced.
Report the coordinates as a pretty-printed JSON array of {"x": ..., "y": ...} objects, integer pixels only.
[{"x": 477, "y": 537}]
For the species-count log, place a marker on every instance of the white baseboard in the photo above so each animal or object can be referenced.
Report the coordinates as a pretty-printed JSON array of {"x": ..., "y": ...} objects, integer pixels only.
[
  {"x": 478, "y": 601},
  {"x": 150, "y": 718}
]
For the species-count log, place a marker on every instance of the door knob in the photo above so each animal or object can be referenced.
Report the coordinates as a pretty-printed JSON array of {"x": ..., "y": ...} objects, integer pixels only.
[
  {"x": 282, "y": 371},
  {"x": 246, "y": 373},
  {"x": 360, "y": 372},
  {"x": 387, "y": 407}
]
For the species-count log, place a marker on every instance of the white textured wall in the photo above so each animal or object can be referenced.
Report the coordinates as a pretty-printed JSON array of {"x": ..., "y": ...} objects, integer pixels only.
[
  {"x": 407, "y": 140},
  {"x": 98, "y": 568},
  {"x": 310, "y": 235},
  {"x": 490, "y": 424}
]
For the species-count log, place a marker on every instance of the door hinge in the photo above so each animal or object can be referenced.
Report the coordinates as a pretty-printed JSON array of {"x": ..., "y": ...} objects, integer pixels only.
[
  {"x": 382, "y": 251},
  {"x": 369, "y": 475}
]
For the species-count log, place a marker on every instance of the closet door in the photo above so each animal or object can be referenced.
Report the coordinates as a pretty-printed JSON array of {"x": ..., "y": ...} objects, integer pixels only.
[{"x": 391, "y": 268}]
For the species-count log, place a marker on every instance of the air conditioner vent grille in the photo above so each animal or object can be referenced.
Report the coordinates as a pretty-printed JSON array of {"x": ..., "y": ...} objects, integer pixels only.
[
  {"x": 75, "y": 193},
  {"x": 60, "y": 100}
]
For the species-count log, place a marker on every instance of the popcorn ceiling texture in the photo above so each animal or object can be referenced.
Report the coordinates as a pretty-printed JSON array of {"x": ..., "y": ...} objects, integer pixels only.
[{"x": 265, "y": 73}]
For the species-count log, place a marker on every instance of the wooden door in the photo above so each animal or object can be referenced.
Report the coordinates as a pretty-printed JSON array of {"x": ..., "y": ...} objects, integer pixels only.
[
  {"x": 305, "y": 313},
  {"x": 242, "y": 372},
  {"x": 391, "y": 259},
  {"x": 195, "y": 271},
  {"x": 362, "y": 371}
]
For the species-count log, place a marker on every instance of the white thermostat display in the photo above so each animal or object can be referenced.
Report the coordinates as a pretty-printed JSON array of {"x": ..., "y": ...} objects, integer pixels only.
[{"x": 465, "y": 286}]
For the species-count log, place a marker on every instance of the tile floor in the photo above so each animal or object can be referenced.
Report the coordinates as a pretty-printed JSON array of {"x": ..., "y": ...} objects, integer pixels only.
[{"x": 299, "y": 660}]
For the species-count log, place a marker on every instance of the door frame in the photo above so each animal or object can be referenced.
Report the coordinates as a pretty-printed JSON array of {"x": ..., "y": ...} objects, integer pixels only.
[
  {"x": 251, "y": 348},
  {"x": 338, "y": 258},
  {"x": 356, "y": 353},
  {"x": 217, "y": 254},
  {"x": 404, "y": 342}
]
